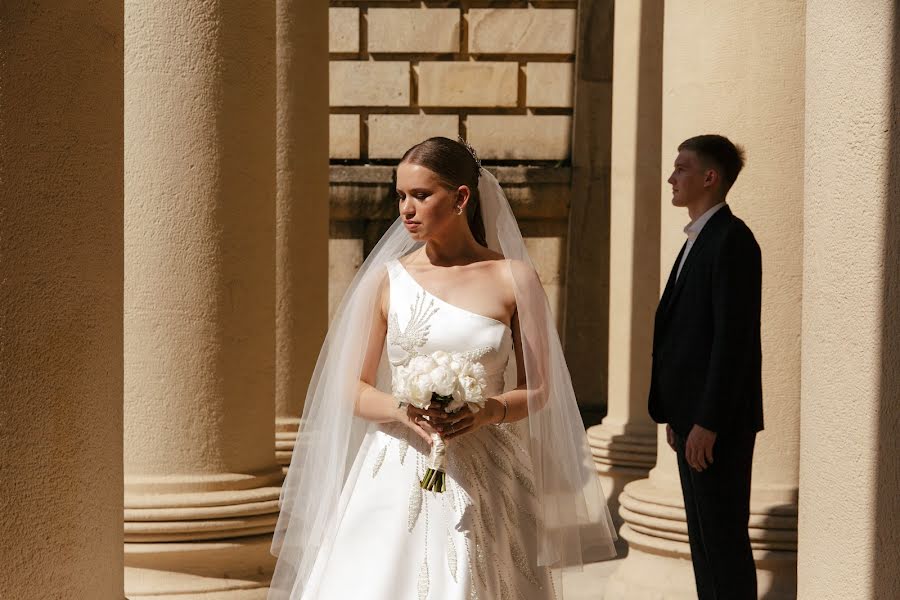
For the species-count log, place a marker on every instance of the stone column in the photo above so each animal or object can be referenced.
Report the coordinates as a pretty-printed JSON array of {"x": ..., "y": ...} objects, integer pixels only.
[
  {"x": 61, "y": 300},
  {"x": 734, "y": 68},
  {"x": 624, "y": 445},
  {"x": 584, "y": 332},
  {"x": 849, "y": 454},
  {"x": 201, "y": 484},
  {"x": 301, "y": 228}
]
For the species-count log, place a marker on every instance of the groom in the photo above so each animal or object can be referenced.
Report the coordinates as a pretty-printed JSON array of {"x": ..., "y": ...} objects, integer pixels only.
[{"x": 706, "y": 382}]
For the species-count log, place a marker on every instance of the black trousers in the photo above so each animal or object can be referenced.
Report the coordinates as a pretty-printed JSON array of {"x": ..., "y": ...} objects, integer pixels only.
[{"x": 717, "y": 503}]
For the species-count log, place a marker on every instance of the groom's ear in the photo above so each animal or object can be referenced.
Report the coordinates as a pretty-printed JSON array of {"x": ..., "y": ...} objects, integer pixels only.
[{"x": 711, "y": 178}]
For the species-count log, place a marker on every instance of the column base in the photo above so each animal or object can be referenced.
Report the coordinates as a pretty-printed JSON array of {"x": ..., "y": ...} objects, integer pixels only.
[
  {"x": 286, "y": 430},
  {"x": 239, "y": 569},
  {"x": 621, "y": 456},
  {"x": 658, "y": 565},
  {"x": 192, "y": 508}
]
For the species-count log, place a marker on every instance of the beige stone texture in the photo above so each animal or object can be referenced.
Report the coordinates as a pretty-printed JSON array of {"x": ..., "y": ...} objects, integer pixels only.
[
  {"x": 752, "y": 93},
  {"x": 849, "y": 543},
  {"x": 343, "y": 30},
  {"x": 344, "y": 259},
  {"x": 549, "y": 85},
  {"x": 521, "y": 31},
  {"x": 344, "y": 132},
  {"x": 475, "y": 84},
  {"x": 548, "y": 255},
  {"x": 521, "y": 137},
  {"x": 422, "y": 30},
  {"x": 199, "y": 326},
  {"x": 586, "y": 328},
  {"x": 369, "y": 83},
  {"x": 392, "y": 135},
  {"x": 624, "y": 445},
  {"x": 61, "y": 170},
  {"x": 302, "y": 210}
]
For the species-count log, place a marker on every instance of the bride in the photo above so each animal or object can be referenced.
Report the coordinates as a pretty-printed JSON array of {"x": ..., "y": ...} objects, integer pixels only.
[{"x": 451, "y": 274}]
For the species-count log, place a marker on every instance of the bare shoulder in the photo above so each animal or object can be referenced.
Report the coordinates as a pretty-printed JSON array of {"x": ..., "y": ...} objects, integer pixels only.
[
  {"x": 517, "y": 277},
  {"x": 522, "y": 272}
]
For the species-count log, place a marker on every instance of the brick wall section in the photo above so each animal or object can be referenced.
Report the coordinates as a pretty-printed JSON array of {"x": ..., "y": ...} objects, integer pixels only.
[{"x": 498, "y": 73}]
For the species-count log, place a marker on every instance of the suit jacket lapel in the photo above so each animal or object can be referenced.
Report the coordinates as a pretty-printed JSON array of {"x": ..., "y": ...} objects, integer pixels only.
[{"x": 718, "y": 219}]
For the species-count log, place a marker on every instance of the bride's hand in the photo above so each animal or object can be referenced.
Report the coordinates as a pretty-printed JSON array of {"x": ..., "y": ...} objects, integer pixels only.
[
  {"x": 412, "y": 417},
  {"x": 465, "y": 421}
]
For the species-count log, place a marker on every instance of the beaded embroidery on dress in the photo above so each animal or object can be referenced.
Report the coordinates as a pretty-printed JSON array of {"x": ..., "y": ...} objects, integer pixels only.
[{"x": 477, "y": 540}]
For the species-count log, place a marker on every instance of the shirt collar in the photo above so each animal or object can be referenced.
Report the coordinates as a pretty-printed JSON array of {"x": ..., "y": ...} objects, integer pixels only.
[{"x": 693, "y": 229}]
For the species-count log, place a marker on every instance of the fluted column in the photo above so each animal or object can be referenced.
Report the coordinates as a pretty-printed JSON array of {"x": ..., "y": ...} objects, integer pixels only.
[
  {"x": 734, "y": 68},
  {"x": 850, "y": 456},
  {"x": 61, "y": 300},
  {"x": 624, "y": 444},
  {"x": 201, "y": 481},
  {"x": 301, "y": 272}
]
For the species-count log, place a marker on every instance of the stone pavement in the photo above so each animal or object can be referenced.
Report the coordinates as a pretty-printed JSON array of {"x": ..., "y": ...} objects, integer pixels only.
[{"x": 590, "y": 583}]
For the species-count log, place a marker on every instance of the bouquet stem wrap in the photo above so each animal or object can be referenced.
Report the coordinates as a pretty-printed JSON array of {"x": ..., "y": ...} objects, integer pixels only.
[
  {"x": 435, "y": 479},
  {"x": 435, "y": 476}
]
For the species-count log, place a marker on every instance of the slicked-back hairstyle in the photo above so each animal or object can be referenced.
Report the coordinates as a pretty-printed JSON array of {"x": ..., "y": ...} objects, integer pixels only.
[
  {"x": 454, "y": 165},
  {"x": 720, "y": 153}
]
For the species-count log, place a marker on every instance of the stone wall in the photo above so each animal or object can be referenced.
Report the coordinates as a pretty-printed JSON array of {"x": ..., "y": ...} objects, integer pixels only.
[{"x": 501, "y": 76}]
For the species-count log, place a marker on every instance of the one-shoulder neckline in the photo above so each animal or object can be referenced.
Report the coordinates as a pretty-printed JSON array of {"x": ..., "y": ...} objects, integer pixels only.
[{"x": 415, "y": 282}]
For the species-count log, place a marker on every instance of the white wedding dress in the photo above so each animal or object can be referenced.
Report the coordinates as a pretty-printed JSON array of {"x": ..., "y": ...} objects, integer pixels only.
[{"x": 477, "y": 540}]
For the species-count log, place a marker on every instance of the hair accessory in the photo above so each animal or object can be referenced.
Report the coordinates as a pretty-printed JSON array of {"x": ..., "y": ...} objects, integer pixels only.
[{"x": 472, "y": 152}]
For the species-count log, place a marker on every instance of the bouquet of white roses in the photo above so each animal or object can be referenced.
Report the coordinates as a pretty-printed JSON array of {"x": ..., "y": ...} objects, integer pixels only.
[{"x": 447, "y": 378}]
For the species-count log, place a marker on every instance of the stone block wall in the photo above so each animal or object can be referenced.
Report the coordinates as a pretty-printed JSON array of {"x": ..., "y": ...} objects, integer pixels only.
[{"x": 498, "y": 73}]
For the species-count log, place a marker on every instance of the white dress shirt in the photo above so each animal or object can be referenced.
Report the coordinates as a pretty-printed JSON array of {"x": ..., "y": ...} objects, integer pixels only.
[{"x": 693, "y": 229}]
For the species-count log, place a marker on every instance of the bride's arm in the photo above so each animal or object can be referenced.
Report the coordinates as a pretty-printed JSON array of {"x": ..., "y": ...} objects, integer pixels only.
[
  {"x": 516, "y": 399},
  {"x": 371, "y": 403},
  {"x": 522, "y": 278}
]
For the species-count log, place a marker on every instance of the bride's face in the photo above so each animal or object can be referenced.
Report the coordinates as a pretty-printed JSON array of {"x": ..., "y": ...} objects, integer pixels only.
[{"x": 428, "y": 208}]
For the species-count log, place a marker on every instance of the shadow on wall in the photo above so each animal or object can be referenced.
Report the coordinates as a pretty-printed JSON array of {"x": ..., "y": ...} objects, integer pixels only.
[{"x": 886, "y": 566}]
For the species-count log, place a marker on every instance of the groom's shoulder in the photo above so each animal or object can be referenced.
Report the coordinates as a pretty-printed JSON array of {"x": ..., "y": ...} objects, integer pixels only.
[{"x": 737, "y": 233}]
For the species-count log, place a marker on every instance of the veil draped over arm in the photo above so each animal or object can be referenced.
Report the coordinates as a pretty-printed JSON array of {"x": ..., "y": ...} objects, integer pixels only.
[{"x": 571, "y": 502}]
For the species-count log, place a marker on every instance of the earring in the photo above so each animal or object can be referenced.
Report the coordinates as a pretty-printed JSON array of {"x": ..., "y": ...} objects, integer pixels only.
[{"x": 459, "y": 210}]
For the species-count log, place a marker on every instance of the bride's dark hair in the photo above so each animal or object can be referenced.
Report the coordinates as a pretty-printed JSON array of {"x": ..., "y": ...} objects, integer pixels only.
[{"x": 454, "y": 165}]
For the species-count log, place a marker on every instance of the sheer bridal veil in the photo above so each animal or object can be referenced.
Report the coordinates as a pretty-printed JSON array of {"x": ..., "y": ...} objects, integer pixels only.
[{"x": 571, "y": 501}]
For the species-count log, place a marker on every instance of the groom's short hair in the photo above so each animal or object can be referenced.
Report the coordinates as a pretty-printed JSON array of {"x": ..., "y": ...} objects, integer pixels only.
[{"x": 718, "y": 152}]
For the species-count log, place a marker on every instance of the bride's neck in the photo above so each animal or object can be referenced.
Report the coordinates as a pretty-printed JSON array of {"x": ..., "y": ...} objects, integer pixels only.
[{"x": 450, "y": 252}]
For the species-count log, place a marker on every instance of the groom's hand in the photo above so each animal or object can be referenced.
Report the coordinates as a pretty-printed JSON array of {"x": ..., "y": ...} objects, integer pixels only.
[
  {"x": 698, "y": 450},
  {"x": 670, "y": 437}
]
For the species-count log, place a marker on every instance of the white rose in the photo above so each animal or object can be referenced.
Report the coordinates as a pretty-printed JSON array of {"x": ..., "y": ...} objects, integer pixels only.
[
  {"x": 477, "y": 370},
  {"x": 457, "y": 362},
  {"x": 399, "y": 383},
  {"x": 442, "y": 358},
  {"x": 419, "y": 390},
  {"x": 473, "y": 390},
  {"x": 444, "y": 381},
  {"x": 421, "y": 364}
]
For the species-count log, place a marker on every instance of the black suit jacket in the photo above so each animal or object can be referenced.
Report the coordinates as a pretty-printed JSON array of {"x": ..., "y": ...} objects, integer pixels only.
[{"x": 706, "y": 342}]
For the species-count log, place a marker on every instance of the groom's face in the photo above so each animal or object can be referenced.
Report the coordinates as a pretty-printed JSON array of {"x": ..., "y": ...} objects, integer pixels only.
[{"x": 687, "y": 179}]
